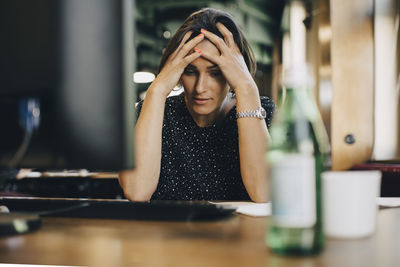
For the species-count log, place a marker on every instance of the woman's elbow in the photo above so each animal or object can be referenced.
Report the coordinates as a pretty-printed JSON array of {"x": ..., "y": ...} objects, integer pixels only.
[
  {"x": 132, "y": 191},
  {"x": 259, "y": 198},
  {"x": 136, "y": 197},
  {"x": 257, "y": 187}
]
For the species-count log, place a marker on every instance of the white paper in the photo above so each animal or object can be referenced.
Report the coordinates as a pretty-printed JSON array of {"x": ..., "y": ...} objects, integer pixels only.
[
  {"x": 249, "y": 208},
  {"x": 264, "y": 209},
  {"x": 388, "y": 201}
]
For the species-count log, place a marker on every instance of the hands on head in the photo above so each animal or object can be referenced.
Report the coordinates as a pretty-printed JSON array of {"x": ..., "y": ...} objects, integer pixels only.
[
  {"x": 172, "y": 71},
  {"x": 230, "y": 61}
]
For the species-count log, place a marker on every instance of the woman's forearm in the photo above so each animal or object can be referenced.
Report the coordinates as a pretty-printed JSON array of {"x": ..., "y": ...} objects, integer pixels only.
[
  {"x": 139, "y": 184},
  {"x": 253, "y": 138}
]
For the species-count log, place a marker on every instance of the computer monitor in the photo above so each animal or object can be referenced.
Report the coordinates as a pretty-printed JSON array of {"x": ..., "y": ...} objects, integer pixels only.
[{"x": 67, "y": 96}]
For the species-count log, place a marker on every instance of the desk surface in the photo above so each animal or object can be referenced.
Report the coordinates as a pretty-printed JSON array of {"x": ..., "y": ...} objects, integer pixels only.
[{"x": 238, "y": 241}]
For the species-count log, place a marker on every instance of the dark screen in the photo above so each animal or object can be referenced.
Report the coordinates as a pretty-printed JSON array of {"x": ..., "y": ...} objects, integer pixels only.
[{"x": 75, "y": 58}]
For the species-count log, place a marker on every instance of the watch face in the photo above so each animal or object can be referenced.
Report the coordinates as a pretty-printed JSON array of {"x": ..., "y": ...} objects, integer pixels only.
[{"x": 263, "y": 113}]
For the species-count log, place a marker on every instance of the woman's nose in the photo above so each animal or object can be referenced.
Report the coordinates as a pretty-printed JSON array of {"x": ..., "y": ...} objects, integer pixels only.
[{"x": 201, "y": 84}]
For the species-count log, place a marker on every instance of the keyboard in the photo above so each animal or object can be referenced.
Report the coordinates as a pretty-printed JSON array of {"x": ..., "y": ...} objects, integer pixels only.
[{"x": 160, "y": 210}]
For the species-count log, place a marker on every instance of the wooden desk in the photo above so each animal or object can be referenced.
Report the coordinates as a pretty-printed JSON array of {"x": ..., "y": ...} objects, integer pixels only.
[{"x": 238, "y": 241}]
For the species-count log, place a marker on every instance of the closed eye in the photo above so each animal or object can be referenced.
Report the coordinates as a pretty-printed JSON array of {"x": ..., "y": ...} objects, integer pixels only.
[
  {"x": 215, "y": 73},
  {"x": 189, "y": 71}
]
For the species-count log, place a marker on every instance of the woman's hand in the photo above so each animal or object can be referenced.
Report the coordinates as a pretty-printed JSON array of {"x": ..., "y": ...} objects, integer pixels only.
[
  {"x": 231, "y": 61},
  {"x": 172, "y": 71}
]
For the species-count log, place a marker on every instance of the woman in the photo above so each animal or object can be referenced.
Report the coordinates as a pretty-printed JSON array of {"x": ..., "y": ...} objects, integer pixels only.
[{"x": 210, "y": 141}]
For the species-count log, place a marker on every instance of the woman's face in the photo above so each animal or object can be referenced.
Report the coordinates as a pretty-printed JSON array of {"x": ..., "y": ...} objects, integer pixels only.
[{"x": 205, "y": 87}]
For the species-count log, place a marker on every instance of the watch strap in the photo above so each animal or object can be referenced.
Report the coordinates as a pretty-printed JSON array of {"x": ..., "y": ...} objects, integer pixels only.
[{"x": 259, "y": 113}]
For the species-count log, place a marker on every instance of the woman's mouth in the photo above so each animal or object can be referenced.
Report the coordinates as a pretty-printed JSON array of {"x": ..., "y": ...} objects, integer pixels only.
[{"x": 200, "y": 101}]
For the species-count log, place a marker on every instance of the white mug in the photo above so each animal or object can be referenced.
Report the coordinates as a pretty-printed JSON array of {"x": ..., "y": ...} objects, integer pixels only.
[{"x": 349, "y": 203}]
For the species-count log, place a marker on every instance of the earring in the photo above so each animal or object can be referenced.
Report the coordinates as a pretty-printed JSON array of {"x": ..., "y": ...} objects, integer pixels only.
[{"x": 232, "y": 93}]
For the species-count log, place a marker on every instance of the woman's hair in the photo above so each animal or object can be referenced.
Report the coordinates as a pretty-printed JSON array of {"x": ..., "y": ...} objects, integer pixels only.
[{"x": 207, "y": 18}]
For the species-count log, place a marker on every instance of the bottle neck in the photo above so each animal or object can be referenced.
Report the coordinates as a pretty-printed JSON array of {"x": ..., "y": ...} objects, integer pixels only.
[
  {"x": 287, "y": 95},
  {"x": 299, "y": 102}
]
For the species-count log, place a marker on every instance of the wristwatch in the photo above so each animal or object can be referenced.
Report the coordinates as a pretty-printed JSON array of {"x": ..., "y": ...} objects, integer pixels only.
[{"x": 259, "y": 113}]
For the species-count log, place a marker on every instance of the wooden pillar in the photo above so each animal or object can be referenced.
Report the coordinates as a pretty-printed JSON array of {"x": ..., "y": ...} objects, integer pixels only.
[{"x": 352, "y": 82}]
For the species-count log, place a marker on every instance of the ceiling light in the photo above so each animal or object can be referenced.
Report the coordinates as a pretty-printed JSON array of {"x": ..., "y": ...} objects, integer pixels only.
[{"x": 167, "y": 34}]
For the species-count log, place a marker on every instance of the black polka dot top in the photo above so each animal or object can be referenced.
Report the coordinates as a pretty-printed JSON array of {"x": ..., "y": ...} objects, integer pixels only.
[{"x": 200, "y": 163}]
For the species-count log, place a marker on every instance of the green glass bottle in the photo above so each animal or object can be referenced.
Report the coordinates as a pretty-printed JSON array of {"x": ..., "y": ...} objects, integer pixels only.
[{"x": 297, "y": 153}]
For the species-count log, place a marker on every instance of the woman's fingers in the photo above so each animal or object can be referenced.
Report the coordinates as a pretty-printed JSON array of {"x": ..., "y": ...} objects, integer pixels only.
[
  {"x": 186, "y": 48},
  {"x": 216, "y": 40},
  {"x": 228, "y": 36},
  {"x": 184, "y": 39},
  {"x": 191, "y": 57},
  {"x": 210, "y": 57}
]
